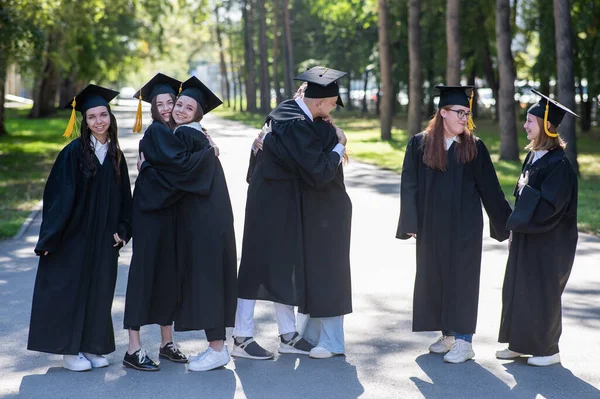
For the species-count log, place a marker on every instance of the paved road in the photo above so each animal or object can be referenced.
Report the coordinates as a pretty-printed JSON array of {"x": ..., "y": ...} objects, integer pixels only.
[{"x": 384, "y": 358}]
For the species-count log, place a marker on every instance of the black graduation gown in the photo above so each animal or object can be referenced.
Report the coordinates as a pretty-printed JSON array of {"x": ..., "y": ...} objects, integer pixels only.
[
  {"x": 544, "y": 225},
  {"x": 273, "y": 258},
  {"x": 444, "y": 210},
  {"x": 152, "y": 288},
  {"x": 206, "y": 251},
  {"x": 75, "y": 282}
]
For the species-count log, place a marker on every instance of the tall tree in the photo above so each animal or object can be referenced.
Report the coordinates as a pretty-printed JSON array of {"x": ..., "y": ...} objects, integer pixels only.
[
  {"x": 385, "y": 67},
  {"x": 414, "y": 58},
  {"x": 506, "y": 69},
  {"x": 289, "y": 70},
  {"x": 249, "y": 55},
  {"x": 275, "y": 63},
  {"x": 265, "y": 85},
  {"x": 453, "y": 42},
  {"x": 565, "y": 75},
  {"x": 222, "y": 65}
]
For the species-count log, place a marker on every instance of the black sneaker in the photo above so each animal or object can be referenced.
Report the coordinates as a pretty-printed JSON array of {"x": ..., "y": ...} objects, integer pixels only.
[
  {"x": 296, "y": 345},
  {"x": 171, "y": 352},
  {"x": 250, "y": 349},
  {"x": 140, "y": 361}
]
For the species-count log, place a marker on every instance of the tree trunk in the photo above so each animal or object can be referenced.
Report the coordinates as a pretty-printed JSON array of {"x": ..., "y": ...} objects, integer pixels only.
[
  {"x": 365, "y": 88},
  {"x": 248, "y": 16},
  {"x": 565, "y": 77},
  {"x": 222, "y": 65},
  {"x": 453, "y": 42},
  {"x": 288, "y": 64},
  {"x": 67, "y": 89},
  {"x": 240, "y": 84},
  {"x": 265, "y": 85},
  {"x": 471, "y": 82},
  {"x": 275, "y": 64},
  {"x": 387, "y": 86},
  {"x": 348, "y": 104},
  {"x": 506, "y": 69},
  {"x": 45, "y": 92},
  {"x": 414, "y": 58},
  {"x": 3, "y": 71},
  {"x": 488, "y": 66}
]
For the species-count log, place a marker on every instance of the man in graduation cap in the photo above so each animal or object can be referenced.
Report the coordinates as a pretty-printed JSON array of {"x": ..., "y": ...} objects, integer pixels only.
[
  {"x": 86, "y": 221},
  {"x": 544, "y": 239},
  {"x": 278, "y": 264}
]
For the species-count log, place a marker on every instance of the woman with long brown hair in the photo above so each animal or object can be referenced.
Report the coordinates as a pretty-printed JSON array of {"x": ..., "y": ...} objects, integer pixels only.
[
  {"x": 86, "y": 221},
  {"x": 447, "y": 174},
  {"x": 543, "y": 241}
]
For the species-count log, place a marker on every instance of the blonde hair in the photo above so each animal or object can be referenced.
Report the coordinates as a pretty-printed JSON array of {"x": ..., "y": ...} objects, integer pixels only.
[{"x": 543, "y": 141}]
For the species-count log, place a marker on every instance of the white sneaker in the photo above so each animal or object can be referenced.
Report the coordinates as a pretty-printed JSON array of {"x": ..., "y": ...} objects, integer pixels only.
[
  {"x": 76, "y": 363},
  {"x": 97, "y": 361},
  {"x": 210, "y": 359},
  {"x": 542, "y": 361},
  {"x": 461, "y": 352},
  {"x": 507, "y": 354},
  {"x": 318, "y": 352},
  {"x": 443, "y": 344}
]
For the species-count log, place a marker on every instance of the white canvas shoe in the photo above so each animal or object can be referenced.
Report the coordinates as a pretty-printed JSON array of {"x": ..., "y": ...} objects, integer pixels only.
[
  {"x": 318, "y": 352},
  {"x": 97, "y": 361},
  {"x": 507, "y": 354},
  {"x": 542, "y": 361},
  {"x": 442, "y": 345},
  {"x": 210, "y": 359},
  {"x": 76, "y": 363},
  {"x": 461, "y": 352}
]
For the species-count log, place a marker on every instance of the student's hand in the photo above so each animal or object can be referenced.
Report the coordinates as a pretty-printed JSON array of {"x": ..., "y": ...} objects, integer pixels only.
[
  {"x": 300, "y": 92},
  {"x": 118, "y": 240},
  {"x": 328, "y": 119},
  {"x": 413, "y": 235},
  {"x": 140, "y": 161},
  {"x": 45, "y": 253},
  {"x": 258, "y": 143},
  {"x": 523, "y": 180},
  {"x": 213, "y": 145},
  {"x": 341, "y": 136}
]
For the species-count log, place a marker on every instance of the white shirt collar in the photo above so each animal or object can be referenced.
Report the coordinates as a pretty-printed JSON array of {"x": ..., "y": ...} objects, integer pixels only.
[
  {"x": 99, "y": 149},
  {"x": 538, "y": 154},
  {"x": 302, "y": 105},
  {"x": 448, "y": 141},
  {"x": 193, "y": 125}
]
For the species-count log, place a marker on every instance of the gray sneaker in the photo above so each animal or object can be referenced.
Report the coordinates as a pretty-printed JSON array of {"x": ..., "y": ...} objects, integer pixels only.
[
  {"x": 297, "y": 345},
  {"x": 250, "y": 349}
]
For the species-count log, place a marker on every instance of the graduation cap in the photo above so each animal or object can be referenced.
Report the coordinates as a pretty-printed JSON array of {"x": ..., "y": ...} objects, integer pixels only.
[
  {"x": 456, "y": 95},
  {"x": 322, "y": 83},
  {"x": 159, "y": 84},
  {"x": 197, "y": 90},
  {"x": 90, "y": 97},
  {"x": 550, "y": 111}
]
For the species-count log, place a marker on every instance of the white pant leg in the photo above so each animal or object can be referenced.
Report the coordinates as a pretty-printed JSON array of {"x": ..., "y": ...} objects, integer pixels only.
[
  {"x": 286, "y": 319},
  {"x": 327, "y": 332},
  {"x": 244, "y": 318}
]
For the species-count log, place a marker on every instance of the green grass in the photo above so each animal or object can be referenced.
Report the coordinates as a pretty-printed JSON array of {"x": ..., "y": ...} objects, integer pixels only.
[
  {"x": 26, "y": 157},
  {"x": 365, "y": 145}
]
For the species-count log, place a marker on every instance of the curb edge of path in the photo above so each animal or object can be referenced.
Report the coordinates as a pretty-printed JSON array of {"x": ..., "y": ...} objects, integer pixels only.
[{"x": 36, "y": 209}]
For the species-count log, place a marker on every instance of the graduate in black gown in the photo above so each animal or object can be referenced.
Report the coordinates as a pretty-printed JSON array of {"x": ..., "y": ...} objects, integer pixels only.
[
  {"x": 86, "y": 221},
  {"x": 295, "y": 170},
  {"x": 447, "y": 174},
  {"x": 152, "y": 290},
  {"x": 206, "y": 255},
  {"x": 544, "y": 238}
]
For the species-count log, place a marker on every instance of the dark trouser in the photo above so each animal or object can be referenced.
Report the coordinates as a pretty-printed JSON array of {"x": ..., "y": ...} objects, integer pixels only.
[
  {"x": 137, "y": 328},
  {"x": 215, "y": 334}
]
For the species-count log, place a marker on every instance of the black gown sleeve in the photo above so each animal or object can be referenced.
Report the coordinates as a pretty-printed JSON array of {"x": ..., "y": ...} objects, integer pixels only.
[
  {"x": 251, "y": 165},
  {"x": 539, "y": 211},
  {"x": 409, "y": 192},
  {"x": 299, "y": 150},
  {"x": 58, "y": 201},
  {"x": 492, "y": 196},
  {"x": 125, "y": 213}
]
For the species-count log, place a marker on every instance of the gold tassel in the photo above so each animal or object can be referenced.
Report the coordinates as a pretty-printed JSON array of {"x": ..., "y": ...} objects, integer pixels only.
[
  {"x": 470, "y": 124},
  {"x": 137, "y": 125},
  {"x": 72, "y": 120},
  {"x": 180, "y": 88},
  {"x": 546, "y": 121}
]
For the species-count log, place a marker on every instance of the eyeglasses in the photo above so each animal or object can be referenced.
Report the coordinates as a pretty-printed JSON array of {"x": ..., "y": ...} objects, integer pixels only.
[{"x": 461, "y": 114}]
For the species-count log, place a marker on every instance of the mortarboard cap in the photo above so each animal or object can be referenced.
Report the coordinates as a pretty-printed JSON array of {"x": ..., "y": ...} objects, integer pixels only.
[
  {"x": 159, "y": 84},
  {"x": 197, "y": 90},
  {"x": 322, "y": 83},
  {"x": 550, "y": 111},
  {"x": 90, "y": 97},
  {"x": 456, "y": 95}
]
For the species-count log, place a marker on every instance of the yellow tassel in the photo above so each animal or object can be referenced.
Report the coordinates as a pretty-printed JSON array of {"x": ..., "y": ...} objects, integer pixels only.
[
  {"x": 137, "y": 126},
  {"x": 180, "y": 88},
  {"x": 470, "y": 123},
  {"x": 72, "y": 120},
  {"x": 546, "y": 121}
]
